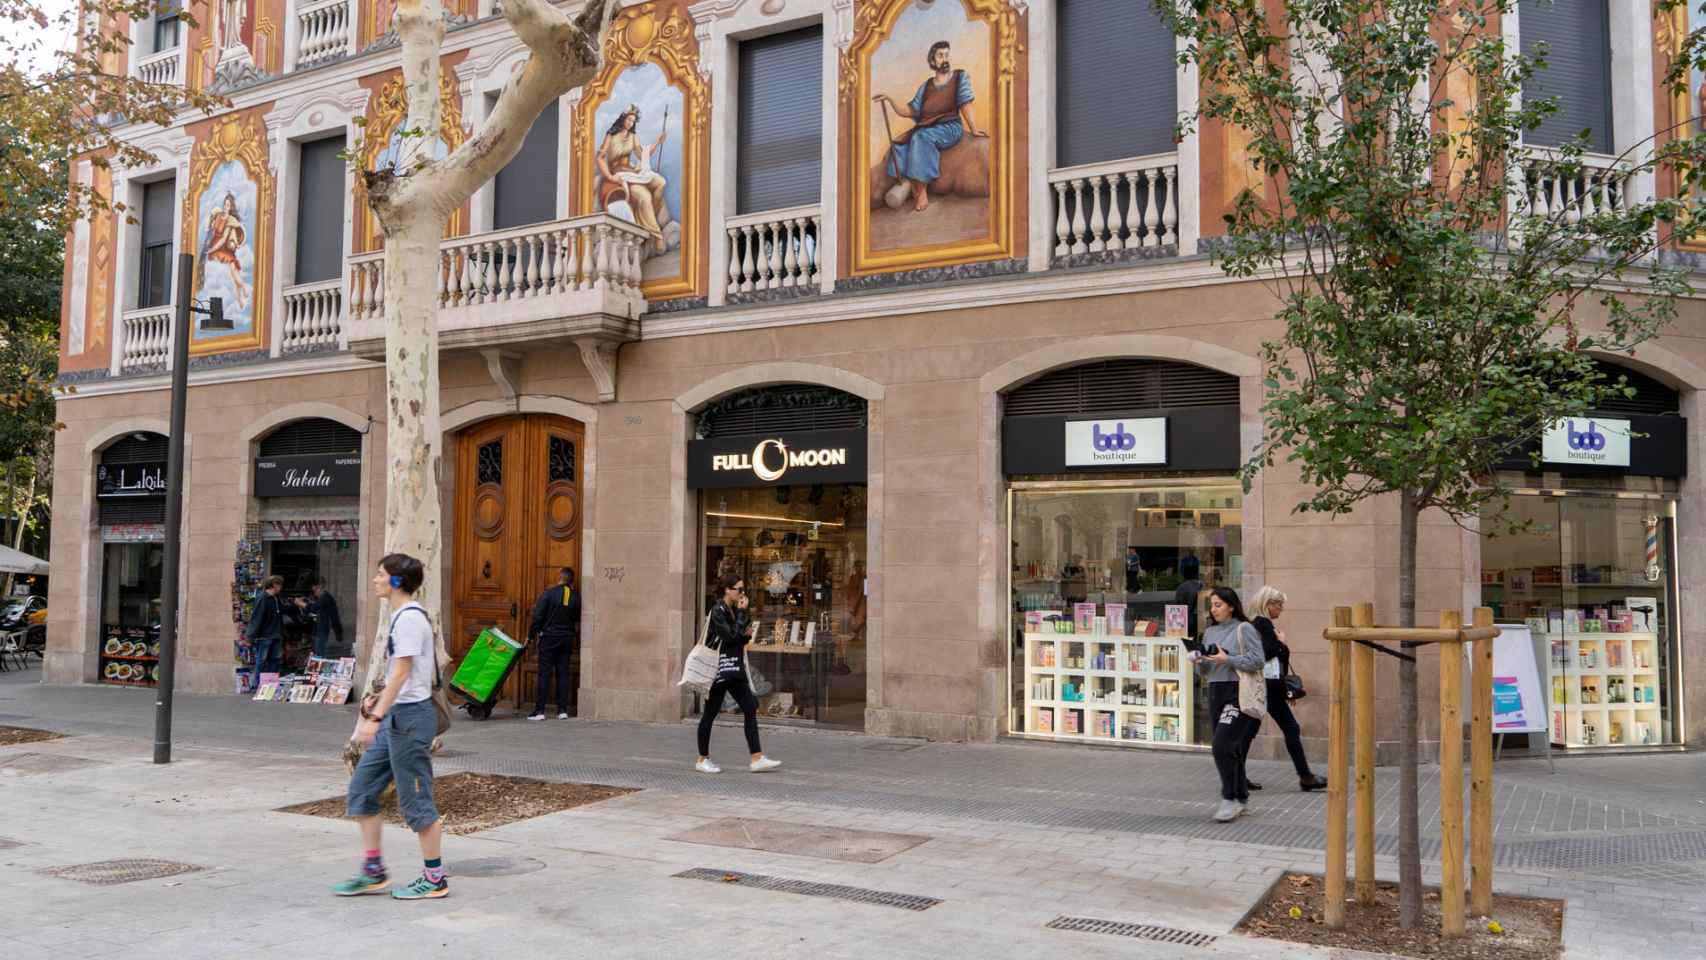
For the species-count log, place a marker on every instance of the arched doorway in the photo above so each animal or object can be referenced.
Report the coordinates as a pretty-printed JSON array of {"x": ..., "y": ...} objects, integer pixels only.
[
  {"x": 518, "y": 522},
  {"x": 130, "y": 491}
]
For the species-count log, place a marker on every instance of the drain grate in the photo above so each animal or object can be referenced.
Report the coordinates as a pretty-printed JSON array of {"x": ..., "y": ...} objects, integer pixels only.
[
  {"x": 107, "y": 873},
  {"x": 893, "y": 746},
  {"x": 1140, "y": 931},
  {"x": 804, "y": 888}
]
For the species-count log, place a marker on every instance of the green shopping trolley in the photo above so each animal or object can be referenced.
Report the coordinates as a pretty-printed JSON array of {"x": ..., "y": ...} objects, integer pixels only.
[{"x": 484, "y": 669}]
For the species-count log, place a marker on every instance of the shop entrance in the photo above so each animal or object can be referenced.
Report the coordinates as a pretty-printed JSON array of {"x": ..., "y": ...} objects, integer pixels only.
[{"x": 518, "y": 497}]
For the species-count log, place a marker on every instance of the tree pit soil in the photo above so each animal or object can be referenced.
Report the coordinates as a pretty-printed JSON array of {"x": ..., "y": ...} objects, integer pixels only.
[
  {"x": 472, "y": 802},
  {"x": 12, "y": 736},
  {"x": 1531, "y": 929}
]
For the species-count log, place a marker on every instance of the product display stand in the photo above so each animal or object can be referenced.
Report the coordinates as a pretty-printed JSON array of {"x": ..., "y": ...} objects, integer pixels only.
[
  {"x": 1107, "y": 688},
  {"x": 1605, "y": 689}
]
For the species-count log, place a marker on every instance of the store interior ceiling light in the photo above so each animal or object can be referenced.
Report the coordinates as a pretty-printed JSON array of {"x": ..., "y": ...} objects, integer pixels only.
[{"x": 756, "y": 516}]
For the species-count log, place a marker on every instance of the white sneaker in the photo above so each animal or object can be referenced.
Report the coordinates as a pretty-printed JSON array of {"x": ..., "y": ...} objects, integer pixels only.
[
  {"x": 1243, "y": 808},
  {"x": 762, "y": 764},
  {"x": 1226, "y": 812},
  {"x": 536, "y": 716},
  {"x": 562, "y": 716},
  {"x": 706, "y": 766}
]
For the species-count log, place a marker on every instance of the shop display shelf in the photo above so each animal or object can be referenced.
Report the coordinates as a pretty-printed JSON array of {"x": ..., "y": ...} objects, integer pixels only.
[
  {"x": 128, "y": 683},
  {"x": 116, "y": 656}
]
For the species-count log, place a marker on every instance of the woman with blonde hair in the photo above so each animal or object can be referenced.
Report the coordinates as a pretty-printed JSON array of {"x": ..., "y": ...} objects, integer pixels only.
[{"x": 1267, "y": 607}]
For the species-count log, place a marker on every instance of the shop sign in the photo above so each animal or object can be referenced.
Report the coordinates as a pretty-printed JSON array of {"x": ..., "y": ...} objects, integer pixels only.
[
  {"x": 117, "y": 480},
  {"x": 818, "y": 456},
  {"x": 310, "y": 530},
  {"x": 1105, "y": 443},
  {"x": 309, "y": 475},
  {"x": 133, "y": 532},
  {"x": 1594, "y": 441}
]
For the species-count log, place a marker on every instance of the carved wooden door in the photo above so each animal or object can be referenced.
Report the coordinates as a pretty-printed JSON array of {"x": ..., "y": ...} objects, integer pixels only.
[{"x": 518, "y": 495}]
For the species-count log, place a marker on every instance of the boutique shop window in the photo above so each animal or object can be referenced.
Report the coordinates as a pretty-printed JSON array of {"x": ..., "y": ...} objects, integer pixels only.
[{"x": 1107, "y": 582}]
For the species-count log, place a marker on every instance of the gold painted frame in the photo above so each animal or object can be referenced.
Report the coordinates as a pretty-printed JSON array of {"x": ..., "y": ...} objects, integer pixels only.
[
  {"x": 389, "y": 109},
  {"x": 873, "y": 23},
  {"x": 1669, "y": 34},
  {"x": 637, "y": 36},
  {"x": 239, "y": 138}
]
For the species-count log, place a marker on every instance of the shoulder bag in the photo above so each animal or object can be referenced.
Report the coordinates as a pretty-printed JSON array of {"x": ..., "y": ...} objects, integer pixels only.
[
  {"x": 700, "y": 670},
  {"x": 440, "y": 700},
  {"x": 1252, "y": 686},
  {"x": 1294, "y": 687}
]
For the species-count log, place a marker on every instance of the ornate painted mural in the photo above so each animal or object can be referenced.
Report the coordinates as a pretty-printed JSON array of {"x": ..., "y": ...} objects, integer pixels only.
[
  {"x": 932, "y": 142},
  {"x": 1687, "y": 109},
  {"x": 641, "y": 143},
  {"x": 227, "y": 222},
  {"x": 86, "y": 317},
  {"x": 235, "y": 43},
  {"x": 384, "y": 145}
]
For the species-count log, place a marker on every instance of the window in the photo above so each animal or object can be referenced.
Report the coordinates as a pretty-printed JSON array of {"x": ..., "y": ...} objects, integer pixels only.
[
  {"x": 1577, "y": 36},
  {"x": 154, "y": 279},
  {"x": 779, "y": 153},
  {"x": 1116, "y": 81},
  {"x": 525, "y": 189},
  {"x": 320, "y": 211},
  {"x": 166, "y": 26}
]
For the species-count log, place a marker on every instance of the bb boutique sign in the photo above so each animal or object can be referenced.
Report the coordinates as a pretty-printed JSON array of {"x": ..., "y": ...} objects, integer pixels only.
[
  {"x": 309, "y": 475},
  {"x": 1594, "y": 441},
  {"x": 818, "y": 456},
  {"x": 1106, "y": 443},
  {"x": 122, "y": 480}
]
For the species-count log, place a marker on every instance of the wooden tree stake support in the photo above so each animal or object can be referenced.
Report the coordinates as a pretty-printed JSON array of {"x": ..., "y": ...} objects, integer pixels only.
[{"x": 1355, "y": 639}]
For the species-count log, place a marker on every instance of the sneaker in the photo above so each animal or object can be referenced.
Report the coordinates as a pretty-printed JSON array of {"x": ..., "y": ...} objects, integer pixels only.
[
  {"x": 1228, "y": 811},
  {"x": 536, "y": 715},
  {"x": 1311, "y": 782},
  {"x": 762, "y": 764},
  {"x": 706, "y": 766},
  {"x": 1253, "y": 785},
  {"x": 423, "y": 889},
  {"x": 562, "y": 716},
  {"x": 362, "y": 884},
  {"x": 1243, "y": 807}
]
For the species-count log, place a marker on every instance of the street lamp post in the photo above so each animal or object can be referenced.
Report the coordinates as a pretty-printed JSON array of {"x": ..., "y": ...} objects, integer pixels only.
[{"x": 175, "y": 498}]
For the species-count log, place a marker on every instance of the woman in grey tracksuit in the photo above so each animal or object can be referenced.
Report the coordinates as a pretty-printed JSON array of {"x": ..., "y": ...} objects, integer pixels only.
[{"x": 1237, "y": 647}]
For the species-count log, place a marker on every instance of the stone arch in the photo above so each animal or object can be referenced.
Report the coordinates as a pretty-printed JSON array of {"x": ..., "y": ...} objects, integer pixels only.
[
  {"x": 307, "y": 410},
  {"x": 1066, "y": 353},
  {"x": 762, "y": 374},
  {"x": 467, "y": 414},
  {"x": 108, "y": 432},
  {"x": 1661, "y": 363}
]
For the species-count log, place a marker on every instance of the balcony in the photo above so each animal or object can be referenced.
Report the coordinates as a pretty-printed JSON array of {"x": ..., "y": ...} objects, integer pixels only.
[
  {"x": 1115, "y": 211},
  {"x": 324, "y": 32},
  {"x": 313, "y": 317},
  {"x": 163, "y": 67},
  {"x": 563, "y": 280},
  {"x": 1545, "y": 187},
  {"x": 145, "y": 339},
  {"x": 774, "y": 254}
]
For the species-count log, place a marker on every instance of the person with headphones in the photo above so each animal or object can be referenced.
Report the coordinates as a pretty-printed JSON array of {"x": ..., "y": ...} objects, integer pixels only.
[
  {"x": 557, "y": 625},
  {"x": 398, "y": 725}
]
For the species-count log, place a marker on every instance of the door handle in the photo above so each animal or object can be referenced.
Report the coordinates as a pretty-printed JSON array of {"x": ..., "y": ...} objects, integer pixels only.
[{"x": 512, "y": 608}]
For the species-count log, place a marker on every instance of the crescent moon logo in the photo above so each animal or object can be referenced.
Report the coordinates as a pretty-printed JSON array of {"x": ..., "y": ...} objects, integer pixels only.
[{"x": 763, "y": 471}]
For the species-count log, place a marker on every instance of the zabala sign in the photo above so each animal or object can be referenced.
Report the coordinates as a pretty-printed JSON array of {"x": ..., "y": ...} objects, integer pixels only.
[
  {"x": 1102, "y": 443},
  {"x": 309, "y": 475},
  {"x": 1593, "y": 441},
  {"x": 819, "y": 456}
]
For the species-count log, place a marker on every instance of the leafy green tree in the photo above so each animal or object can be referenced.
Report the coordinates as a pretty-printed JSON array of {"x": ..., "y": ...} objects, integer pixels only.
[{"x": 1433, "y": 317}]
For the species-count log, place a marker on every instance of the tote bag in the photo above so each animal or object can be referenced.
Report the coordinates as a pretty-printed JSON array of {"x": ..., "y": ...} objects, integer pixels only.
[
  {"x": 701, "y": 666},
  {"x": 1252, "y": 686}
]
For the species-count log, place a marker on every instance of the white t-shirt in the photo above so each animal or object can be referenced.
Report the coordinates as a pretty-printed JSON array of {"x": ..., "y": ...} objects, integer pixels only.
[{"x": 411, "y": 636}]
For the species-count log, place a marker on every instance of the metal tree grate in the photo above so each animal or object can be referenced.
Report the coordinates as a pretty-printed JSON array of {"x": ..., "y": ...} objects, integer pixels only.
[
  {"x": 1140, "y": 931},
  {"x": 880, "y": 898},
  {"x": 107, "y": 873}
]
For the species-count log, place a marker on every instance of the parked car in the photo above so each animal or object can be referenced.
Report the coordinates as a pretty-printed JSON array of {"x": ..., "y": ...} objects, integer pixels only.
[{"x": 26, "y": 613}]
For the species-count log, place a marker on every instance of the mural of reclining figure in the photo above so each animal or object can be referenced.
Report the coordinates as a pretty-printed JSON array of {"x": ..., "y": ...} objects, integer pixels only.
[{"x": 941, "y": 116}]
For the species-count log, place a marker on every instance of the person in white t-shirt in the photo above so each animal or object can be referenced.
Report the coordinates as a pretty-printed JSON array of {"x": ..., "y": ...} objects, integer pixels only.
[{"x": 398, "y": 725}]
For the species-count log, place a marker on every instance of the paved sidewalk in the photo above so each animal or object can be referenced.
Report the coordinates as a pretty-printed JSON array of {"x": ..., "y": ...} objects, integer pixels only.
[{"x": 1018, "y": 834}]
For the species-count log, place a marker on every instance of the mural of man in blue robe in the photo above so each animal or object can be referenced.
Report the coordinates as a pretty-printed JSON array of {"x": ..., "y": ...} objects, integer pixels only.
[{"x": 941, "y": 117}]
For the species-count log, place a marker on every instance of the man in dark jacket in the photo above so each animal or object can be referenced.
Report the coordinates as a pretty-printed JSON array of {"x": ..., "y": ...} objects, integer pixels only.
[
  {"x": 323, "y": 607},
  {"x": 556, "y": 627},
  {"x": 266, "y": 628}
]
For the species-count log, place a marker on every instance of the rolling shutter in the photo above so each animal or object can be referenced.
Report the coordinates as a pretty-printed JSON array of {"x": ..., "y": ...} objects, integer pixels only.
[
  {"x": 779, "y": 144},
  {"x": 1116, "y": 82},
  {"x": 320, "y": 211},
  {"x": 1123, "y": 386},
  {"x": 525, "y": 190},
  {"x": 1577, "y": 34}
]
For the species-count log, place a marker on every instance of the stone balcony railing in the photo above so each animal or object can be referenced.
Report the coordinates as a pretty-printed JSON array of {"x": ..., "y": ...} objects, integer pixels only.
[
  {"x": 774, "y": 250},
  {"x": 1546, "y": 185},
  {"x": 323, "y": 32},
  {"x": 313, "y": 316},
  {"x": 145, "y": 339},
  {"x": 163, "y": 67},
  {"x": 1117, "y": 206},
  {"x": 567, "y": 280}
]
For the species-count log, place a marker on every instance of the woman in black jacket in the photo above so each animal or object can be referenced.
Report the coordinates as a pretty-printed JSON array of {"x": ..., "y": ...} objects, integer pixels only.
[
  {"x": 1270, "y": 602},
  {"x": 728, "y": 635}
]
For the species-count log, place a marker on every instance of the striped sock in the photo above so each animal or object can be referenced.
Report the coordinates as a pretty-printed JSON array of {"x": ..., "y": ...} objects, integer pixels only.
[
  {"x": 435, "y": 870},
  {"x": 372, "y": 865}
]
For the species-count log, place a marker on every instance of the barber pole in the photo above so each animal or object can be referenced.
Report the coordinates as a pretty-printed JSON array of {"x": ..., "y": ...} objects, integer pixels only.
[{"x": 1652, "y": 549}]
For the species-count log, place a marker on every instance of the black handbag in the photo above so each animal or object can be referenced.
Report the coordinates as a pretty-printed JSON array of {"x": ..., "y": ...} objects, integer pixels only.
[{"x": 1294, "y": 687}]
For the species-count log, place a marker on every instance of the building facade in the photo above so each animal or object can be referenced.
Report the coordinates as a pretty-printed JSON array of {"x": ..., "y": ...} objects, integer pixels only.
[{"x": 938, "y": 396}]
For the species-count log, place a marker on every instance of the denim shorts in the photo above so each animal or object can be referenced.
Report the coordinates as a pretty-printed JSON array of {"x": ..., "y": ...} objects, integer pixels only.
[{"x": 401, "y": 753}]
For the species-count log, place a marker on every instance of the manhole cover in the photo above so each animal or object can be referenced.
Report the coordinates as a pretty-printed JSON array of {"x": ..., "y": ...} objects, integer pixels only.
[
  {"x": 109, "y": 872},
  {"x": 26, "y": 764},
  {"x": 494, "y": 867},
  {"x": 801, "y": 839}
]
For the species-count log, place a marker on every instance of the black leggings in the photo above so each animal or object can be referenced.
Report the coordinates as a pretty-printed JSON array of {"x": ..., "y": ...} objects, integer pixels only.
[
  {"x": 1280, "y": 709},
  {"x": 738, "y": 688},
  {"x": 1232, "y": 734}
]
